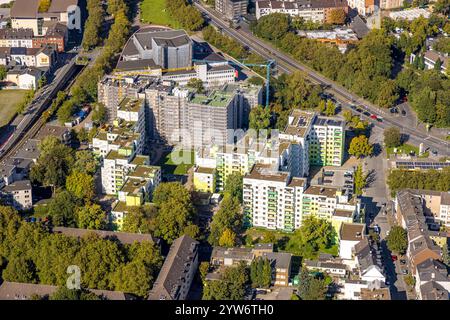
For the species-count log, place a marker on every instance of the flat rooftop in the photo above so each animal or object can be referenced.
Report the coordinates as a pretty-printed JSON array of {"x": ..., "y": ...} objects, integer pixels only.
[
  {"x": 144, "y": 171},
  {"x": 328, "y": 192},
  {"x": 299, "y": 122},
  {"x": 130, "y": 105},
  {"x": 133, "y": 185},
  {"x": 265, "y": 172},
  {"x": 215, "y": 99}
]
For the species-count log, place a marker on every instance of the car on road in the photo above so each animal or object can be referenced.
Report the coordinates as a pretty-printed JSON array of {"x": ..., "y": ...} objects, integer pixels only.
[
  {"x": 359, "y": 110},
  {"x": 353, "y": 107},
  {"x": 394, "y": 257},
  {"x": 366, "y": 113}
]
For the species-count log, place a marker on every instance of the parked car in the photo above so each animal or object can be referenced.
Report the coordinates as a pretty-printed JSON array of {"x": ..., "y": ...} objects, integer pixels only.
[
  {"x": 366, "y": 113},
  {"x": 394, "y": 257},
  {"x": 404, "y": 113},
  {"x": 405, "y": 271},
  {"x": 403, "y": 261}
]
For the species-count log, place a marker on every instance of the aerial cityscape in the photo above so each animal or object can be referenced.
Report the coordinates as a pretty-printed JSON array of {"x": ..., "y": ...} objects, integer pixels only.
[{"x": 246, "y": 150}]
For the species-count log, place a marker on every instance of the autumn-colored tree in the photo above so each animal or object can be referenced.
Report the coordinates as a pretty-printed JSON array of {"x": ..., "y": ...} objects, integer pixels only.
[{"x": 337, "y": 16}]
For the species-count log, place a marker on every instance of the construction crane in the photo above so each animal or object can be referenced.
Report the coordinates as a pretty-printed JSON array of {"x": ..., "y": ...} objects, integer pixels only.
[{"x": 267, "y": 65}]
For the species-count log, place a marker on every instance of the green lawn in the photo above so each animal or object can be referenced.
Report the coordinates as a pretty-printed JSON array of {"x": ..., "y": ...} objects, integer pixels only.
[
  {"x": 154, "y": 12},
  {"x": 170, "y": 165},
  {"x": 9, "y": 103},
  {"x": 403, "y": 149}
]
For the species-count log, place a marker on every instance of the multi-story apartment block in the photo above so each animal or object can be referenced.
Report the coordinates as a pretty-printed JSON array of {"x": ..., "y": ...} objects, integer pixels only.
[
  {"x": 141, "y": 181},
  {"x": 276, "y": 200},
  {"x": 326, "y": 142},
  {"x": 126, "y": 132},
  {"x": 211, "y": 119},
  {"x": 175, "y": 113},
  {"x": 18, "y": 194},
  {"x": 232, "y": 9},
  {"x": 296, "y": 133},
  {"x": 205, "y": 179},
  {"x": 272, "y": 199},
  {"x": 317, "y": 11}
]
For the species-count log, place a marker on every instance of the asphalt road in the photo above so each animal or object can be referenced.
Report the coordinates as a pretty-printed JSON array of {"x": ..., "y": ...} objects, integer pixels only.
[{"x": 288, "y": 65}]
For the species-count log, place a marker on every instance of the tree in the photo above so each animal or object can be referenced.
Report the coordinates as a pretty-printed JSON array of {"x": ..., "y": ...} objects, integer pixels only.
[
  {"x": 392, "y": 137},
  {"x": 96, "y": 258},
  {"x": 360, "y": 147},
  {"x": 171, "y": 190},
  {"x": 172, "y": 220},
  {"x": 261, "y": 273},
  {"x": 230, "y": 287},
  {"x": 3, "y": 72},
  {"x": 387, "y": 94},
  {"x": 91, "y": 216},
  {"x": 445, "y": 254},
  {"x": 100, "y": 114},
  {"x": 20, "y": 269},
  {"x": 410, "y": 280},
  {"x": 348, "y": 116},
  {"x": 311, "y": 288},
  {"x": 272, "y": 26},
  {"x": 259, "y": 118},
  {"x": 81, "y": 185},
  {"x": 42, "y": 81},
  {"x": 203, "y": 268},
  {"x": 330, "y": 109},
  {"x": 44, "y": 5},
  {"x": 227, "y": 239},
  {"x": 54, "y": 163},
  {"x": 61, "y": 209},
  {"x": 397, "y": 240},
  {"x": 360, "y": 180},
  {"x": 196, "y": 85},
  {"x": 85, "y": 162},
  {"x": 337, "y": 16},
  {"x": 438, "y": 180},
  {"x": 140, "y": 220},
  {"x": 268, "y": 237},
  {"x": 63, "y": 293},
  {"x": 234, "y": 185},
  {"x": 313, "y": 235},
  {"x": 135, "y": 278},
  {"x": 227, "y": 217}
]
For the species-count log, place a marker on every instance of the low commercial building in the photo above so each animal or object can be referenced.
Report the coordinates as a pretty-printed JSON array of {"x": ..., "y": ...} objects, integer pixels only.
[
  {"x": 410, "y": 14},
  {"x": 178, "y": 271}
]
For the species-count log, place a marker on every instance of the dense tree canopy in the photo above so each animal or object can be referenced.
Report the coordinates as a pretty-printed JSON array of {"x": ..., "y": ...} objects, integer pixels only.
[
  {"x": 314, "y": 234},
  {"x": 229, "y": 217},
  {"x": 230, "y": 287},
  {"x": 397, "y": 240},
  {"x": 423, "y": 180}
]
